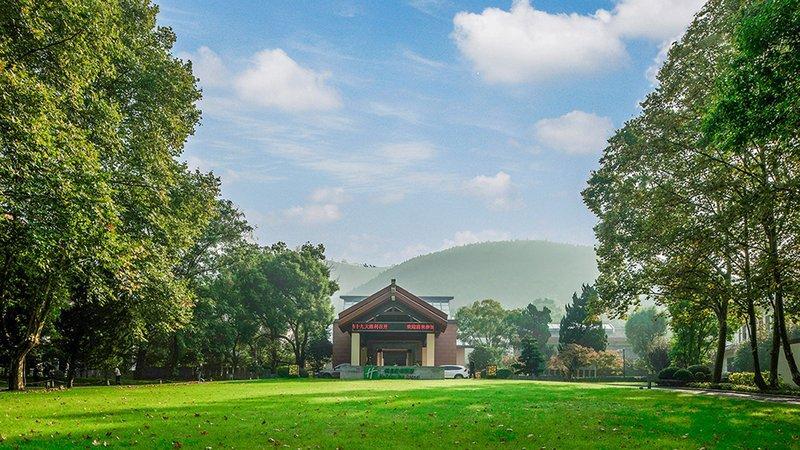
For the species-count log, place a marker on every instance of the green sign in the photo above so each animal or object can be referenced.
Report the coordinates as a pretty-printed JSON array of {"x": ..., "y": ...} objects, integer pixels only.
[{"x": 388, "y": 373}]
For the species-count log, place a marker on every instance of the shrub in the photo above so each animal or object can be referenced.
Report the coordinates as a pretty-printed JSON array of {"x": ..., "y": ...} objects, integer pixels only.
[
  {"x": 504, "y": 373},
  {"x": 699, "y": 368},
  {"x": 744, "y": 378},
  {"x": 683, "y": 375},
  {"x": 700, "y": 376},
  {"x": 667, "y": 373}
]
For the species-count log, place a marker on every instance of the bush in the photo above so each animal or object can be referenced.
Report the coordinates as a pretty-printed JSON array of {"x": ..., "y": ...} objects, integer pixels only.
[
  {"x": 504, "y": 373},
  {"x": 283, "y": 372},
  {"x": 683, "y": 375},
  {"x": 700, "y": 376},
  {"x": 700, "y": 368},
  {"x": 667, "y": 373},
  {"x": 744, "y": 378}
]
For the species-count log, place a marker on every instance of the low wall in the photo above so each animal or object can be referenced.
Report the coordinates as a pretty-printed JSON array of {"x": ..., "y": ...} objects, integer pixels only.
[
  {"x": 783, "y": 365},
  {"x": 391, "y": 373}
]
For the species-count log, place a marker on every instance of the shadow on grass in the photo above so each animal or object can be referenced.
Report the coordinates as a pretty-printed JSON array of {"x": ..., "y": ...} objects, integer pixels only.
[{"x": 399, "y": 414}]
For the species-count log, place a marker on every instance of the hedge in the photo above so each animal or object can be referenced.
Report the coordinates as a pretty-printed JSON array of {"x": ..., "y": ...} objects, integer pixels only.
[
  {"x": 699, "y": 368},
  {"x": 504, "y": 373},
  {"x": 683, "y": 375},
  {"x": 667, "y": 373}
]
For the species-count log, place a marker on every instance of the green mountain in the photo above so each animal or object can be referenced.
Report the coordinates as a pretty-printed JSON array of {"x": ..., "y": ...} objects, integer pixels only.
[
  {"x": 511, "y": 272},
  {"x": 349, "y": 276}
]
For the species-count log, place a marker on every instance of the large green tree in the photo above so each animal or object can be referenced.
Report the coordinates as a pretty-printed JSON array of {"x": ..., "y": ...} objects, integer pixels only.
[
  {"x": 94, "y": 110},
  {"x": 754, "y": 123}
]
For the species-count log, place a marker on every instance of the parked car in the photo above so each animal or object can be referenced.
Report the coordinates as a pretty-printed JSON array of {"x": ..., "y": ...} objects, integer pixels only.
[
  {"x": 455, "y": 372},
  {"x": 332, "y": 373}
]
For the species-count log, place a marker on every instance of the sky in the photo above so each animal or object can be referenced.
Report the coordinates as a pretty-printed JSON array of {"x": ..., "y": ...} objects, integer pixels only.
[{"x": 389, "y": 129}]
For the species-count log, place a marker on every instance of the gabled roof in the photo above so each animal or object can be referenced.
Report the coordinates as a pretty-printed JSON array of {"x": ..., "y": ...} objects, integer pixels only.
[{"x": 393, "y": 292}]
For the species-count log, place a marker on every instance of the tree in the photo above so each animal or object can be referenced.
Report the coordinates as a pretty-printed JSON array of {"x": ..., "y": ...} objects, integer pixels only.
[
  {"x": 532, "y": 323},
  {"x": 481, "y": 357},
  {"x": 646, "y": 330},
  {"x": 579, "y": 326},
  {"x": 694, "y": 331},
  {"x": 320, "y": 351},
  {"x": 570, "y": 358},
  {"x": 92, "y": 198},
  {"x": 753, "y": 121},
  {"x": 530, "y": 360},
  {"x": 668, "y": 228},
  {"x": 484, "y": 324},
  {"x": 289, "y": 292}
]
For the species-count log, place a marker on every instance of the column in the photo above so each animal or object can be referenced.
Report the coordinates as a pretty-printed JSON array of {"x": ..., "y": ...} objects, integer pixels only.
[
  {"x": 430, "y": 344},
  {"x": 355, "y": 349}
]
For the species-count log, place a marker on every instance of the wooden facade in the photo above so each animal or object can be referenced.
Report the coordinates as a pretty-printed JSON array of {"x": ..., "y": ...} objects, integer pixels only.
[{"x": 394, "y": 327}]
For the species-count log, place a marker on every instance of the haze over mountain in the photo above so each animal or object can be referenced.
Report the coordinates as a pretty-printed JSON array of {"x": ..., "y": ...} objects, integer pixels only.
[{"x": 511, "y": 272}]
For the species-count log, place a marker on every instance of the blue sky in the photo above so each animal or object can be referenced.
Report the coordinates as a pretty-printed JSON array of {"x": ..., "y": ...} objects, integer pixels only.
[{"x": 389, "y": 129}]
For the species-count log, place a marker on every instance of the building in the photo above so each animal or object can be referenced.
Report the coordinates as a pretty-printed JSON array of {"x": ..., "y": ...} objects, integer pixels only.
[{"x": 394, "y": 327}]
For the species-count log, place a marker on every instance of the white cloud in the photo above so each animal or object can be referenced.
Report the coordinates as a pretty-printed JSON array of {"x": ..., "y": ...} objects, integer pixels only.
[
  {"x": 330, "y": 195},
  {"x": 525, "y": 44},
  {"x": 385, "y": 110},
  {"x": 314, "y": 214},
  {"x": 276, "y": 80},
  {"x": 657, "y": 20},
  {"x": 576, "y": 132},
  {"x": 497, "y": 191},
  {"x": 419, "y": 59},
  {"x": 407, "y": 152},
  {"x": 207, "y": 66}
]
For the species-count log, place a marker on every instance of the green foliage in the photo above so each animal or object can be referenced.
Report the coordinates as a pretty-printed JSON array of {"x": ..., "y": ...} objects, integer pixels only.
[
  {"x": 520, "y": 270},
  {"x": 699, "y": 369},
  {"x": 484, "y": 356},
  {"x": 683, "y": 375},
  {"x": 95, "y": 206},
  {"x": 701, "y": 376},
  {"x": 504, "y": 374},
  {"x": 572, "y": 357},
  {"x": 667, "y": 373},
  {"x": 742, "y": 360},
  {"x": 484, "y": 324},
  {"x": 579, "y": 326},
  {"x": 530, "y": 360},
  {"x": 645, "y": 330},
  {"x": 694, "y": 332},
  {"x": 744, "y": 378},
  {"x": 531, "y": 323}
]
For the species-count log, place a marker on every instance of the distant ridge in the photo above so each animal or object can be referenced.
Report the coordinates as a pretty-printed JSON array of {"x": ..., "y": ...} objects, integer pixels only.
[
  {"x": 350, "y": 276},
  {"x": 512, "y": 272}
]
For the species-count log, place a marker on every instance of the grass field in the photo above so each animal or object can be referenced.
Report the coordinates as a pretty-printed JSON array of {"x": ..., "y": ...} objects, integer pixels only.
[{"x": 390, "y": 414}]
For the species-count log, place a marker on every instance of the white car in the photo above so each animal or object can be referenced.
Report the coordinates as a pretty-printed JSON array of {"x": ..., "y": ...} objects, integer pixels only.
[{"x": 455, "y": 372}]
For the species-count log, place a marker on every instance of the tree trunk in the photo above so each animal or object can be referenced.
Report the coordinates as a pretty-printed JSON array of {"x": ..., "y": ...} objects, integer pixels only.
[
  {"x": 16, "y": 374},
  {"x": 751, "y": 316},
  {"x": 719, "y": 360},
  {"x": 777, "y": 279},
  {"x": 774, "y": 354}
]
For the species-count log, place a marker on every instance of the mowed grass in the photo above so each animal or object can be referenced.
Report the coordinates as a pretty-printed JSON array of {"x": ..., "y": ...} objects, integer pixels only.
[{"x": 390, "y": 414}]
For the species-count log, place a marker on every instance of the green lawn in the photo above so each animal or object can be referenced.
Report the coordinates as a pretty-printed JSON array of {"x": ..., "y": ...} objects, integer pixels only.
[{"x": 390, "y": 414}]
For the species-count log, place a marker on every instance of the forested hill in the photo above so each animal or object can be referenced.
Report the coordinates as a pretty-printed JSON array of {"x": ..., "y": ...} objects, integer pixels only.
[
  {"x": 512, "y": 272},
  {"x": 350, "y": 276}
]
